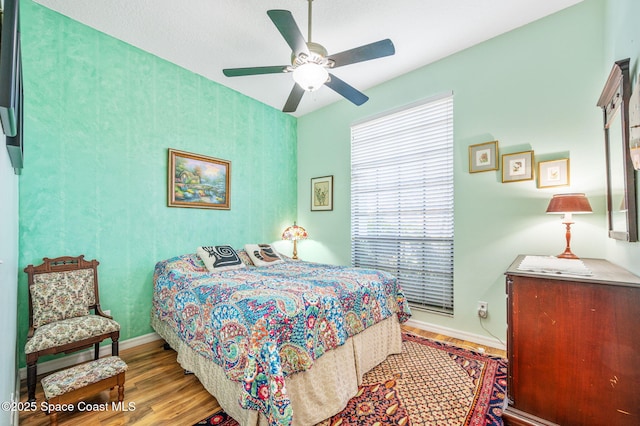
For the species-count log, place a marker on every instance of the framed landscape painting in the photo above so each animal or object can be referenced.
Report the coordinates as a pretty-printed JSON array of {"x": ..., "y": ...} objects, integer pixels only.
[
  {"x": 322, "y": 193},
  {"x": 198, "y": 181}
]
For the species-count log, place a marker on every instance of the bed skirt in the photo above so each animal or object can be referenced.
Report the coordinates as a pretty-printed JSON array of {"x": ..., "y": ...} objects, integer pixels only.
[{"x": 316, "y": 394}]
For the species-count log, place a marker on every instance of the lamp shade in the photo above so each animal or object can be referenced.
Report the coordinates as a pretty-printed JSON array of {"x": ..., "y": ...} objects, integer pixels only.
[
  {"x": 294, "y": 233},
  {"x": 569, "y": 203}
]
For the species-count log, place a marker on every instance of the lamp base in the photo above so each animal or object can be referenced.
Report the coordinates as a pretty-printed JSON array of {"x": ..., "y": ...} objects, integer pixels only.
[{"x": 567, "y": 255}]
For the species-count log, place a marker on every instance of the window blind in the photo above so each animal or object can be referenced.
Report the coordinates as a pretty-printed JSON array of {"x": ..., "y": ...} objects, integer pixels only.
[{"x": 402, "y": 200}]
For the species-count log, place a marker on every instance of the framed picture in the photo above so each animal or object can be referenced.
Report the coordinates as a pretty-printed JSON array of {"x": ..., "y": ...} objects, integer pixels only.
[
  {"x": 517, "y": 167},
  {"x": 635, "y": 157},
  {"x": 483, "y": 157},
  {"x": 198, "y": 181},
  {"x": 553, "y": 173},
  {"x": 322, "y": 193}
]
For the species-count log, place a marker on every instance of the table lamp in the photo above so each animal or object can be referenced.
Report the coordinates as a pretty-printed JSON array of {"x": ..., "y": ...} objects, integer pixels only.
[
  {"x": 295, "y": 233},
  {"x": 568, "y": 204}
]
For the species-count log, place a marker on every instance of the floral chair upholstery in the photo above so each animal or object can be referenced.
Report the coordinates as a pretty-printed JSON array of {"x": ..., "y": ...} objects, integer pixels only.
[{"x": 63, "y": 293}]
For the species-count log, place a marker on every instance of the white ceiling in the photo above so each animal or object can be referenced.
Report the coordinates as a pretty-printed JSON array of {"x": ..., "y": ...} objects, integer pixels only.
[{"x": 205, "y": 36}]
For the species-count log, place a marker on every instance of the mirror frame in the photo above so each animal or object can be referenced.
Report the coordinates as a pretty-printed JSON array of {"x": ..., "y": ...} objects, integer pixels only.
[{"x": 613, "y": 100}]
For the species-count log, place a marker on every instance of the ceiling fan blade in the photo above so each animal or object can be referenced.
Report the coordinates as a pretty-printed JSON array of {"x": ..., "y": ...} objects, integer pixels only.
[
  {"x": 283, "y": 20},
  {"x": 294, "y": 99},
  {"x": 367, "y": 52},
  {"x": 237, "y": 72},
  {"x": 344, "y": 89}
]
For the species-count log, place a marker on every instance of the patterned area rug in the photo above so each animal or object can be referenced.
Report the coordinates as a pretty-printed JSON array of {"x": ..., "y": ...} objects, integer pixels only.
[{"x": 429, "y": 383}]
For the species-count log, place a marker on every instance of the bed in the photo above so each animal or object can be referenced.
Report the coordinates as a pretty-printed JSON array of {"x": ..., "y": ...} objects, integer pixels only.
[{"x": 286, "y": 343}]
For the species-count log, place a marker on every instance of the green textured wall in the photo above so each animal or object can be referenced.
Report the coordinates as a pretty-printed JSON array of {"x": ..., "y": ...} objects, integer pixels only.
[
  {"x": 100, "y": 115},
  {"x": 534, "y": 88}
]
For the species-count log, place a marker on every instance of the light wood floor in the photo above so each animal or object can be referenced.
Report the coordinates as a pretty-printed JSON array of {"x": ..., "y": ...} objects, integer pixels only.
[{"x": 161, "y": 392}]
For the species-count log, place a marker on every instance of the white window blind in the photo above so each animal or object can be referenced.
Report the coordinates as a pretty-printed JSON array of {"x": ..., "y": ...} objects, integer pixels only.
[{"x": 402, "y": 200}]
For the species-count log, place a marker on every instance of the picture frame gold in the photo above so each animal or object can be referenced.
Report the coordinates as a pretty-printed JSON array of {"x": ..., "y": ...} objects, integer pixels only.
[
  {"x": 322, "y": 193},
  {"x": 635, "y": 157},
  {"x": 553, "y": 173},
  {"x": 483, "y": 157},
  {"x": 517, "y": 167},
  {"x": 198, "y": 181}
]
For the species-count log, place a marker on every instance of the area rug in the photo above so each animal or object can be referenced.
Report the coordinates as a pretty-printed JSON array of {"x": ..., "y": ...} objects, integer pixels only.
[{"x": 429, "y": 383}]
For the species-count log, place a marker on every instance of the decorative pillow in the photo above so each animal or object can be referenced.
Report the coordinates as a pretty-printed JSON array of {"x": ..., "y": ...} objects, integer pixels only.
[
  {"x": 244, "y": 256},
  {"x": 60, "y": 295},
  {"x": 262, "y": 254},
  {"x": 220, "y": 258}
]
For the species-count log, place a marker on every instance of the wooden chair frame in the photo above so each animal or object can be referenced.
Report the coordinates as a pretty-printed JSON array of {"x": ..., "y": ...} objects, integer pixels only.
[{"x": 63, "y": 264}]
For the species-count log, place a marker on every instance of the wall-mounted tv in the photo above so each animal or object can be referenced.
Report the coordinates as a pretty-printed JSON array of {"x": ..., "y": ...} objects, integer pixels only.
[{"x": 11, "y": 81}]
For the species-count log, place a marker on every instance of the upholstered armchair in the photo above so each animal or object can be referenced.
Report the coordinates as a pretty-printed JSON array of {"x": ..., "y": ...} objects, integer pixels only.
[{"x": 64, "y": 312}]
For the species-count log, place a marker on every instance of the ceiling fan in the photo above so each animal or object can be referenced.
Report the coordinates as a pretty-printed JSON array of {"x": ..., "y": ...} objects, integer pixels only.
[{"x": 310, "y": 63}]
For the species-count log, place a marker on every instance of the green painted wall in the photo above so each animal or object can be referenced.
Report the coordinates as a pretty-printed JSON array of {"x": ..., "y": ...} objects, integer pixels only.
[
  {"x": 533, "y": 88},
  {"x": 100, "y": 115}
]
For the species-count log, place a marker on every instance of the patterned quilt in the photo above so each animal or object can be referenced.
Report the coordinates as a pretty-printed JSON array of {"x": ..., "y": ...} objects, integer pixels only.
[{"x": 262, "y": 324}]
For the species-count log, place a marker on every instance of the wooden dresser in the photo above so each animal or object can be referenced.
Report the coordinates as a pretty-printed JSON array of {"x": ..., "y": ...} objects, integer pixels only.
[{"x": 573, "y": 347}]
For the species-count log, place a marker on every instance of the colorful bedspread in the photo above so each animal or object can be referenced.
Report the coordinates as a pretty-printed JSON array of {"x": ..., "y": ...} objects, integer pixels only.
[{"x": 262, "y": 324}]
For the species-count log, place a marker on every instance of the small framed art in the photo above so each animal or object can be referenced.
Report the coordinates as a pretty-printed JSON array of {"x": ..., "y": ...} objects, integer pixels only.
[
  {"x": 322, "y": 193},
  {"x": 483, "y": 157},
  {"x": 198, "y": 181},
  {"x": 553, "y": 173},
  {"x": 517, "y": 167},
  {"x": 635, "y": 157}
]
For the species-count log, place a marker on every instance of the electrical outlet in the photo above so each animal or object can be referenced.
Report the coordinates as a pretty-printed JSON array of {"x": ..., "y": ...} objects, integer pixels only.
[
  {"x": 108, "y": 312},
  {"x": 483, "y": 309}
]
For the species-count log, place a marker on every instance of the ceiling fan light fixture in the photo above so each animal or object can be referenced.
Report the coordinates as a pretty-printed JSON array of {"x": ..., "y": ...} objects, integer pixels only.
[{"x": 310, "y": 76}]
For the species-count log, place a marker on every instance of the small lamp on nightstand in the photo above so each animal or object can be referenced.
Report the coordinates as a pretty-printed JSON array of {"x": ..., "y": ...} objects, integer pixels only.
[
  {"x": 295, "y": 233},
  {"x": 569, "y": 204}
]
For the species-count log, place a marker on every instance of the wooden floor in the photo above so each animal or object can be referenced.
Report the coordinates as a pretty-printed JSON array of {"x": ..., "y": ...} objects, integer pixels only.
[
  {"x": 160, "y": 392},
  {"x": 457, "y": 342}
]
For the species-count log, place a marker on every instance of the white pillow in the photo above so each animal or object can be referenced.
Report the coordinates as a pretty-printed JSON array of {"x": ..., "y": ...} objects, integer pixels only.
[
  {"x": 262, "y": 254},
  {"x": 220, "y": 258}
]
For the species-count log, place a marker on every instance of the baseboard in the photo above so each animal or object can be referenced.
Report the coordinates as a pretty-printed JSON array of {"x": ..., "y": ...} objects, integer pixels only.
[
  {"x": 458, "y": 334},
  {"x": 76, "y": 358}
]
